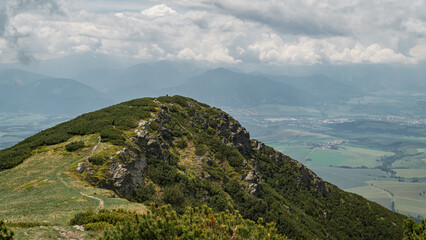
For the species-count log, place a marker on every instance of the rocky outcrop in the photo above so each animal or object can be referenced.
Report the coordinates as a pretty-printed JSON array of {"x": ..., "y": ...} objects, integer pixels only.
[
  {"x": 235, "y": 133},
  {"x": 256, "y": 145},
  {"x": 308, "y": 178},
  {"x": 253, "y": 180},
  {"x": 82, "y": 166},
  {"x": 126, "y": 171},
  {"x": 126, "y": 168}
]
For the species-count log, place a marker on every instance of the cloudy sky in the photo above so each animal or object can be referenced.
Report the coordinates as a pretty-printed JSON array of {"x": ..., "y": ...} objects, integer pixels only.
[{"x": 276, "y": 32}]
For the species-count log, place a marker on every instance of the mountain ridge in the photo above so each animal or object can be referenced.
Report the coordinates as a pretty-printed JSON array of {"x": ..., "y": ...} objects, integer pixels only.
[
  {"x": 25, "y": 91},
  {"x": 178, "y": 151}
]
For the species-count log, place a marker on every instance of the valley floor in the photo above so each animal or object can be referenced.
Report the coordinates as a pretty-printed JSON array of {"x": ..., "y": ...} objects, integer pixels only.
[{"x": 382, "y": 160}]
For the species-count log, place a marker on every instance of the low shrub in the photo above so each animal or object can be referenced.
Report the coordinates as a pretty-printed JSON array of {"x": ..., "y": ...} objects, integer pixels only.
[
  {"x": 195, "y": 223},
  {"x": 74, "y": 146},
  {"x": 97, "y": 226},
  {"x": 145, "y": 193},
  {"x": 413, "y": 230},
  {"x": 113, "y": 136},
  {"x": 182, "y": 144},
  {"x": 98, "y": 159},
  {"x": 200, "y": 149},
  {"x": 174, "y": 196},
  {"x": 5, "y": 232}
]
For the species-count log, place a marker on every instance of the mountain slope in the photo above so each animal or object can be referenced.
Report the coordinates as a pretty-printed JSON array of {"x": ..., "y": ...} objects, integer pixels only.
[
  {"x": 142, "y": 79},
  {"x": 321, "y": 87},
  {"x": 178, "y": 151},
  {"x": 24, "y": 91},
  {"x": 223, "y": 87}
]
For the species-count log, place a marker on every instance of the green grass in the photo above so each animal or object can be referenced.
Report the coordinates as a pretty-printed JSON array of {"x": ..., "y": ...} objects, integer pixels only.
[
  {"x": 52, "y": 232},
  {"x": 32, "y": 191}
]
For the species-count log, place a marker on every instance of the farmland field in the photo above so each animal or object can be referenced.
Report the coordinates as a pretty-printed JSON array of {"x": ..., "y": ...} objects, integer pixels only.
[
  {"x": 409, "y": 198},
  {"x": 373, "y": 194},
  {"x": 410, "y": 173}
]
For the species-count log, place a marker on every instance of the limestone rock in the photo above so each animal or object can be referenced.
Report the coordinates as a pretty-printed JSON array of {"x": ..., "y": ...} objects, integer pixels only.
[{"x": 82, "y": 166}]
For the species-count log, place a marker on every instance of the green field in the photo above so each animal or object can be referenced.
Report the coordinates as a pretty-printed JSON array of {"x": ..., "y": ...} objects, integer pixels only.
[
  {"x": 42, "y": 190},
  {"x": 349, "y": 177},
  {"x": 347, "y": 156}
]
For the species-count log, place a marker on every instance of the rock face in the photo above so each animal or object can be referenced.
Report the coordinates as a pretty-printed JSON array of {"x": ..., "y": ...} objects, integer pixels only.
[
  {"x": 307, "y": 177},
  {"x": 126, "y": 173},
  {"x": 126, "y": 168},
  {"x": 235, "y": 133}
]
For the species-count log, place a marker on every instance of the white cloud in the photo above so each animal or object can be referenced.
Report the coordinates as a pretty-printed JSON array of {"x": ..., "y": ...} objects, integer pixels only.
[
  {"x": 272, "y": 49},
  {"x": 158, "y": 11},
  {"x": 268, "y": 31},
  {"x": 371, "y": 54},
  {"x": 419, "y": 51}
]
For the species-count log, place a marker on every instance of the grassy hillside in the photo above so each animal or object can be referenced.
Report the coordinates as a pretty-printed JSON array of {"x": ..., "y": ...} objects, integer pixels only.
[
  {"x": 174, "y": 150},
  {"x": 43, "y": 191}
]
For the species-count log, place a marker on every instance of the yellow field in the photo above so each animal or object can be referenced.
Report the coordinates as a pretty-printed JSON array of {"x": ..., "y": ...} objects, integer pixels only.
[
  {"x": 410, "y": 207},
  {"x": 373, "y": 194},
  {"x": 368, "y": 192},
  {"x": 411, "y": 173}
]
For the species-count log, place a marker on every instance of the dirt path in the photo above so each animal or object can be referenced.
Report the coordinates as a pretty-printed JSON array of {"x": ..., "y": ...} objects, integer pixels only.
[
  {"x": 101, "y": 202},
  {"x": 58, "y": 174}
]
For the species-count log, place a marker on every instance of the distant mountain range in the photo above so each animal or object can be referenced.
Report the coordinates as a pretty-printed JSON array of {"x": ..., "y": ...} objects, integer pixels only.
[
  {"x": 223, "y": 87},
  {"x": 97, "y": 87},
  {"x": 29, "y": 92},
  {"x": 144, "y": 79}
]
